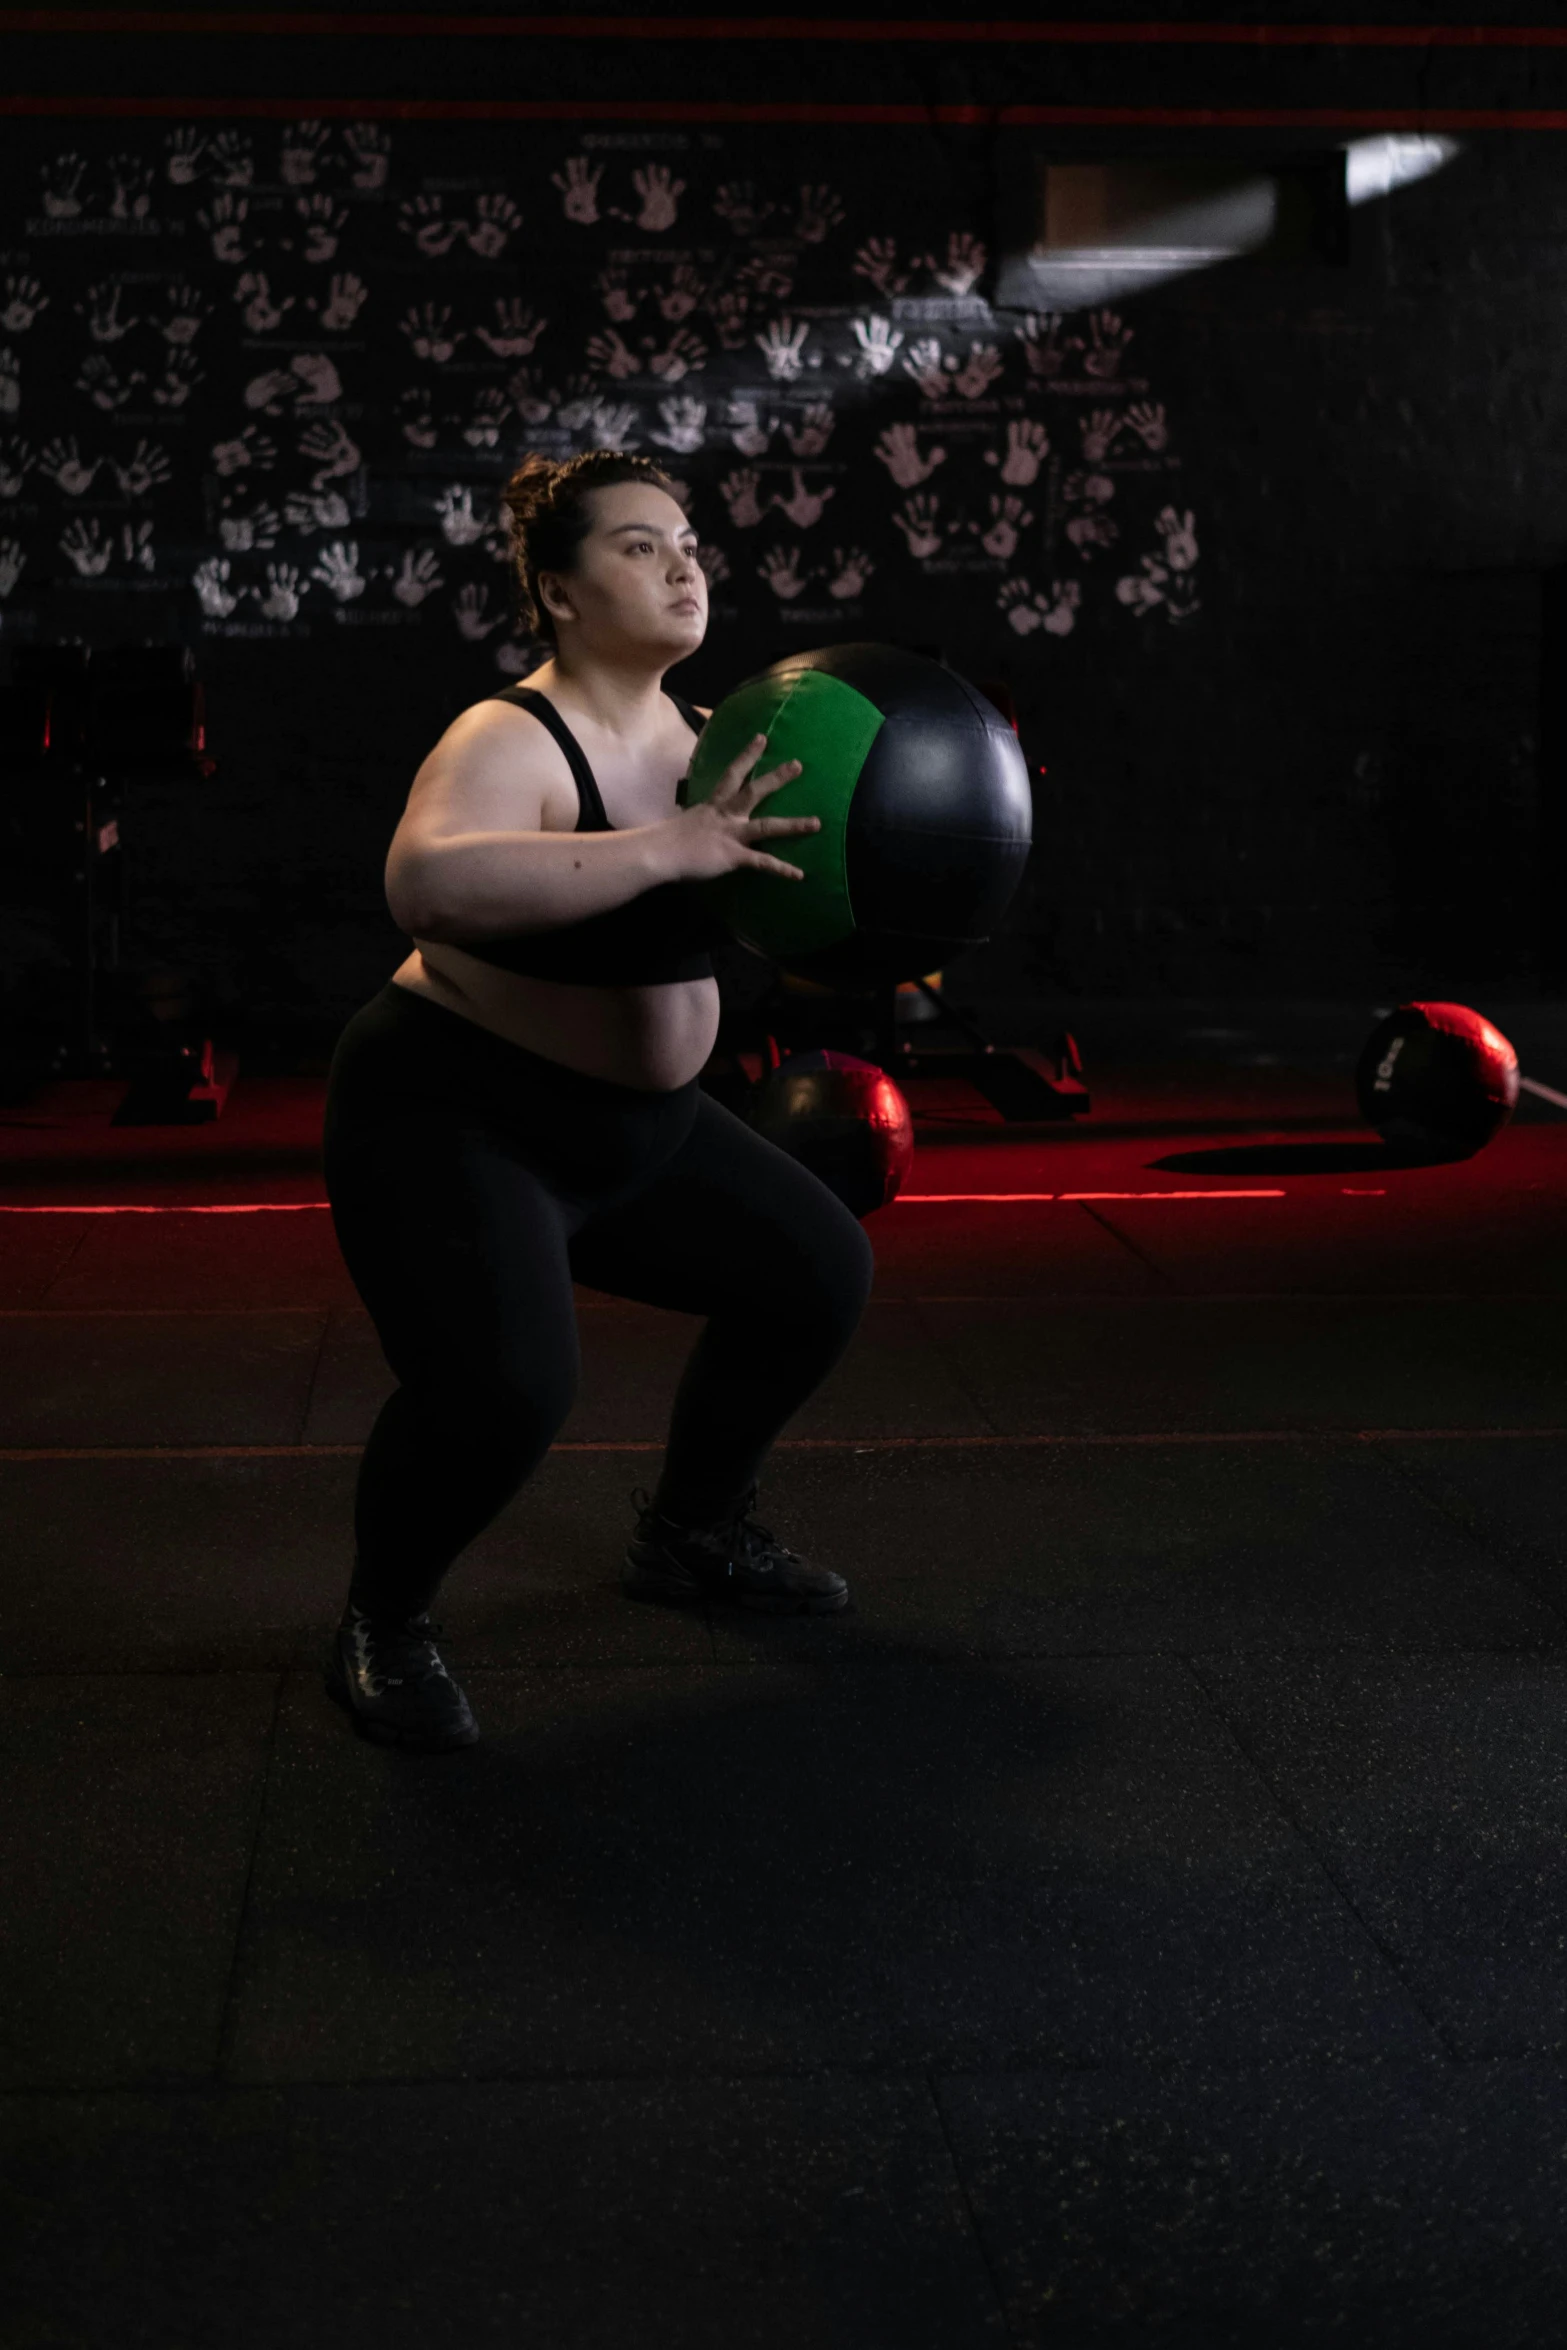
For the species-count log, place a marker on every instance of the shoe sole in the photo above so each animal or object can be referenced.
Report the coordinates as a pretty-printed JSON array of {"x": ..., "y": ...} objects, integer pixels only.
[
  {"x": 383, "y": 1734},
  {"x": 667, "y": 1591}
]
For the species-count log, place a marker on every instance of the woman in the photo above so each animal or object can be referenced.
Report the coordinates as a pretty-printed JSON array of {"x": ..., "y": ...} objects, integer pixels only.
[{"x": 519, "y": 1109}]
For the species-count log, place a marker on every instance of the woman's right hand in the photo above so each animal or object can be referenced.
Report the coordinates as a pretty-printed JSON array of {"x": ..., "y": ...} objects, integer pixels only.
[{"x": 714, "y": 835}]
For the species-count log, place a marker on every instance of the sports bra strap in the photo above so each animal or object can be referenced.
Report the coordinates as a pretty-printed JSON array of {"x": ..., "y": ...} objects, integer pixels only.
[{"x": 527, "y": 697}]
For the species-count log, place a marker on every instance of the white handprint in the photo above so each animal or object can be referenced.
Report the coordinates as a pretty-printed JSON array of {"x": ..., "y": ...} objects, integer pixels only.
[
  {"x": 659, "y": 196},
  {"x": 130, "y": 180},
  {"x": 684, "y": 354},
  {"x": 811, "y": 435},
  {"x": 1107, "y": 341},
  {"x": 738, "y": 202},
  {"x": 234, "y": 163},
  {"x": 580, "y": 187},
  {"x": 528, "y": 397},
  {"x": 186, "y": 149},
  {"x": 577, "y": 408},
  {"x": 16, "y": 463},
  {"x": 879, "y": 342},
  {"x": 319, "y": 382},
  {"x": 899, "y": 450},
  {"x": 1179, "y": 533},
  {"x": 1061, "y": 617},
  {"x": 84, "y": 546},
  {"x": 419, "y": 576},
  {"x": 714, "y": 563},
  {"x": 608, "y": 353},
  {"x": 240, "y": 533},
  {"x": 346, "y": 297},
  {"x": 1146, "y": 420},
  {"x": 430, "y": 332},
  {"x": 739, "y": 492},
  {"x": 262, "y": 314},
  {"x": 179, "y": 379},
  {"x": 330, "y": 451},
  {"x": 101, "y": 309},
  {"x": 683, "y": 421},
  {"x": 749, "y": 434},
  {"x": 1008, "y": 520},
  {"x": 1028, "y": 445},
  {"x": 730, "y": 312},
  {"x": 24, "y": 298},
  {"x": 324, "y": 223},
  {"x": 13, "y": 562},
  {"x": 424, "y": 219},
  {"x": 877, "y": 259},
  {"x": 468, "y": 608},
  {"x": 853, "y": 568},
  {"x": 300, "y": 152},
  {"x": 144, "y": 469},
  {"x": 417, "y": 412},
  {"x": 210, "y": 581},
  {"x": 99, "y": 379},
  {"x": 1043, "y": 347},
  {"x": 1022, "y": 607},
  {"x": 61, "y": 462},
  {"x": 820, "y": 211},
  {"x": 615, "y": 291},
  {"x": 249, "y": 447},
  {"x": 802, "y": 506},
  {"x": 188, "y": 307},
  {"x": 781, "y": 346},
  {"x": 782, "y": 572},
  {"x": 490, "y": 411},
  {"x": 979, "y": 371},
  {"x": 680, "y": 296},
  {"x": 495, "y": 221},
  {"x": 224, "y": 222},
  {"x": 337, "y": 568},
  {"x": 61, "y": 180},
  {"x": 460, "y": 526},
  {"x": 964, "y": 265},
  {"x": 279, "y": 599},
  {"x": 1088, "y": 489},
  {"x": 1087, "y": 531},
  {"x": 923, "y": 363},
  {"x": 371, "y": 150},
  {"x": 1143, "y": 590},
  {"x": 919, "y": 521},
  {"x": 316, "y": 510},
  {"x": 1100, "y": 430},
  {"x": 515, "y": 331},
  {"x": 613, "y": 425}
]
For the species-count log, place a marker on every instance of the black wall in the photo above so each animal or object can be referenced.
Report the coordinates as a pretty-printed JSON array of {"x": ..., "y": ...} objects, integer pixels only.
[{"x": 1276, "y": 646}]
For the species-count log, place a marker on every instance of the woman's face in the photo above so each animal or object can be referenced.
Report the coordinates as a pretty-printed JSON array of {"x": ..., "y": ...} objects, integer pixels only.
[{"x": 637, "y": 585}]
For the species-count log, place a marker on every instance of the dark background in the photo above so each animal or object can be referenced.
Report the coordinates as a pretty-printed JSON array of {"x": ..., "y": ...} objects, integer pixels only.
[{"x": 1310, "y": 767}]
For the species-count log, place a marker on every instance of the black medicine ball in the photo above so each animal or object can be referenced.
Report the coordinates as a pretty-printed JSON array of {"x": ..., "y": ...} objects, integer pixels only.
[
  {"x": 1437, "y": 1077},
  {"x": 843, "y": 1118}
]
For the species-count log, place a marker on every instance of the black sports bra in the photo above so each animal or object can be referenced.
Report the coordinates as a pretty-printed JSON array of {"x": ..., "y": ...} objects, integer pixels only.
[{"x": 664, "y": 934}]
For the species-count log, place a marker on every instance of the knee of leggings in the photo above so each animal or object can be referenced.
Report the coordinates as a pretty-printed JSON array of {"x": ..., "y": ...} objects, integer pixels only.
[
  {"x": 512, "y": 1412},
  {"x": 842, "y": 1267}
]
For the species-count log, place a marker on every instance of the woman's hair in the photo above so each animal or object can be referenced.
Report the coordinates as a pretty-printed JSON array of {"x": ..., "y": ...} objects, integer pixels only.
[{"x": 551, "y": 516}]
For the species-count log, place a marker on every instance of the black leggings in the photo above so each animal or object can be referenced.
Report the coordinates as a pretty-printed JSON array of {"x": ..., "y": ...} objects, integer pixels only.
[{"x": 471, "y": 1182}]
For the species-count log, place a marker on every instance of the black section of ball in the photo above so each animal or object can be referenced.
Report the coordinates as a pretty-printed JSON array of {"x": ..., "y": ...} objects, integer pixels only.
[
  {"x": 843, "y": 1118},
  {"x": 1437, "y": 1079},
  {"x": 940, "y": 825}
]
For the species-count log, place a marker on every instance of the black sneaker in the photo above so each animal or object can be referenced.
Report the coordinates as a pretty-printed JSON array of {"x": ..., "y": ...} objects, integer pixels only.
[
  {"x": 390, "y": 1680},
  {"x": 737, "y": 1561}
]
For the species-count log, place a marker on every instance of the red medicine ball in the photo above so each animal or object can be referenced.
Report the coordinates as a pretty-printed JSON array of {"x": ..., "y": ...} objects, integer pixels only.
[{"x": 1437, "y": 1077}]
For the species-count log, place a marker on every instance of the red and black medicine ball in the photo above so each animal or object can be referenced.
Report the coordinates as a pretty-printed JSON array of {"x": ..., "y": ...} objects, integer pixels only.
[
  {"x": 844, "y": 1119},
  {"x": 1437, "y": 1077}
]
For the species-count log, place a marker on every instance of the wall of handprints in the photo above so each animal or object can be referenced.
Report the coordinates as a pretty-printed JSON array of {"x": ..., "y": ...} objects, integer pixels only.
[{"x": 260, "y": 385}]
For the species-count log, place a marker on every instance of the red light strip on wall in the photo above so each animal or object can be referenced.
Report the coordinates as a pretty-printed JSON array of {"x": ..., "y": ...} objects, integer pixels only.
[
  {"x": 685, "y": 110},
  {"x": 908, "y": 1199}
]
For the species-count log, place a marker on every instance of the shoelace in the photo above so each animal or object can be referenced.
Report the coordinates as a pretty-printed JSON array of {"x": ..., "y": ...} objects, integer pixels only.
[{"x": 740, "y": 1531}]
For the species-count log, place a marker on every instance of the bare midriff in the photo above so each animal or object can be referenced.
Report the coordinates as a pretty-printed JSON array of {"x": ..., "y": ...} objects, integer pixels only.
[{"x": 655, "y": 1038}]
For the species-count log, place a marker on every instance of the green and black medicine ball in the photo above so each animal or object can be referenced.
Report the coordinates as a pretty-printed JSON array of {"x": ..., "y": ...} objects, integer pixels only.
[{"x": 926, "y": 814}]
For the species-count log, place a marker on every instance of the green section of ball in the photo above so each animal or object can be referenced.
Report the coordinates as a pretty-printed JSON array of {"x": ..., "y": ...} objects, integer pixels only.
[{"x": 829, "y": 728}]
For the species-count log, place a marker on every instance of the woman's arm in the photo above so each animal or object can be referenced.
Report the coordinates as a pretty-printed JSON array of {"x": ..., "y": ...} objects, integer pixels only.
[{"x": 470, "y": 858}]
